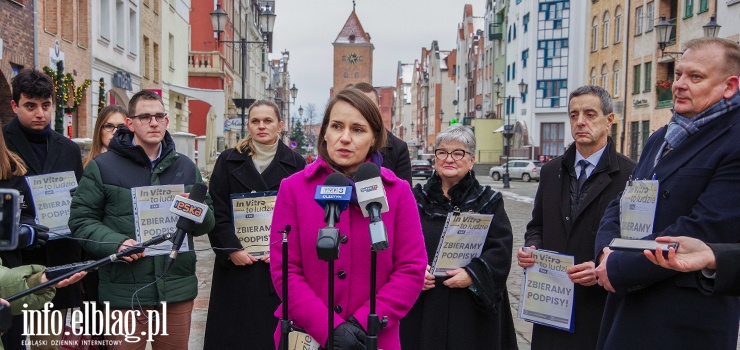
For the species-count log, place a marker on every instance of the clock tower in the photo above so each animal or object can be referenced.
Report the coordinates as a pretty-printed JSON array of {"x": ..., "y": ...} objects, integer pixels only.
[{"x": 353, "y": 55}]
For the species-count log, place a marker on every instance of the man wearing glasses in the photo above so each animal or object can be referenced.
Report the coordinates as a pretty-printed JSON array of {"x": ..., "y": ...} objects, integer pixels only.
[
  {"x": 574, "y": 191},
  {"x": 102, "y": 211}
]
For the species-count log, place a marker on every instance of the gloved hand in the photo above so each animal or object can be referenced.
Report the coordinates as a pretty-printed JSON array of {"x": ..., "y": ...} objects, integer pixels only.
[
  {"x": 350, "y": 336},
  {"x": 32, "y": 236}
]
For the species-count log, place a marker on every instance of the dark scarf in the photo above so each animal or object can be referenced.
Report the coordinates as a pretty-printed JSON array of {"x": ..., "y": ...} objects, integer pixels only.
[
  {"x": 38, "y": 140},
  {"x": 457, "y": 193}
]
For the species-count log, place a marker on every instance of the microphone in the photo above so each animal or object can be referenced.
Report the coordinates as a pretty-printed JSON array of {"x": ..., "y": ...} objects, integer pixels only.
[
  {"x": 373, "y": 202},
  {"x": 333, "y": 196},
  {"x": 190, "y": 210}
]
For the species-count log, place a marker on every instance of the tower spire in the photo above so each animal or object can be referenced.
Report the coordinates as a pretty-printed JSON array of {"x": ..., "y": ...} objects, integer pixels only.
[{"x": 353, "y": 5}]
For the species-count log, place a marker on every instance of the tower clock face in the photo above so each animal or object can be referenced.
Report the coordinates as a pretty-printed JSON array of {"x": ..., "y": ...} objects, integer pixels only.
[{"x": 352, "y": 58}]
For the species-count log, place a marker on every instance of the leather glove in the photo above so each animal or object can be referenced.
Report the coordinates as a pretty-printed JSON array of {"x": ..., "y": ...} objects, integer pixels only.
[
  {"x": 32, "y": 236},
  {"x": 350, "y": 336}
]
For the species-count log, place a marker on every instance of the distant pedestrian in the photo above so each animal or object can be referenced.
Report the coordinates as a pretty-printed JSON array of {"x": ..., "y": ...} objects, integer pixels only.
[{"x": 109, "y": 120}]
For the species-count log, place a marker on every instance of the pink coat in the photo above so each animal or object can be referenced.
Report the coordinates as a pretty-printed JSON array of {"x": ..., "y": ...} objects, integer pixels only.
[{"x": 400, "y": 269}]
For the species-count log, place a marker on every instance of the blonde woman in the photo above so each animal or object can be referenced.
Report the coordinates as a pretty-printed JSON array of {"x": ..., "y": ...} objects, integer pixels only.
[
  {"x": 109, "y": 120},
  {"x": 243, "y": 300}
]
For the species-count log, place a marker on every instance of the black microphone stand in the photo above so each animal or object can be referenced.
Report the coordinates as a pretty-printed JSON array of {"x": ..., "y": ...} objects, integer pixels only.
[
  {"x": 285, "y": 323},
  {"x": 374, "y": 323},
  {"x": 94, "y": 265},
  {"x": 327, "y": 247}
]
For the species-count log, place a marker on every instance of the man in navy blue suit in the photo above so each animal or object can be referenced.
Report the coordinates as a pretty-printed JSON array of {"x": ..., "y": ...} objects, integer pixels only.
[{"x": 696, "y": 160}]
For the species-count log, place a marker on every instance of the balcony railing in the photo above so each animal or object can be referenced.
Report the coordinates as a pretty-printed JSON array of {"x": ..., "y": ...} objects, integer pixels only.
[{"x": 205, "y": 63}]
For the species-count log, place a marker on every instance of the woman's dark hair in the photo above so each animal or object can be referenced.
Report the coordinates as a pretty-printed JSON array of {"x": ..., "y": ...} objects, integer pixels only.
[{"x": 367, "y": 108}]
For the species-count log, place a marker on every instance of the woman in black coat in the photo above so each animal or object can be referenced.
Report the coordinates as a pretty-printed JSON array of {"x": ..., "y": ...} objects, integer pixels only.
[
  {"x": 243, "y": 299},
  {"x": 468, "y": 309}
]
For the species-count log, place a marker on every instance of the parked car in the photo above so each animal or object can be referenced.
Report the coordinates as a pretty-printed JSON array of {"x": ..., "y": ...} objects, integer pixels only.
[
  {"x": 527, "y": 170},
  {"x": 421, "y": 168}
]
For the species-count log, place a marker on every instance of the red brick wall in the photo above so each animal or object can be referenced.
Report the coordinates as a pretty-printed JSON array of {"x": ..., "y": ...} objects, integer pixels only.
[{"x": 16, "y": 31}]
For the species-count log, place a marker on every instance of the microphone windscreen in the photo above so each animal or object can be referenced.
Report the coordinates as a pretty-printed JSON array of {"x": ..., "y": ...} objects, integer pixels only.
[
  {"x": 336, "y": 179},
  {"x": 198, "y": 192},
  {"x": 367, "y": 171}
]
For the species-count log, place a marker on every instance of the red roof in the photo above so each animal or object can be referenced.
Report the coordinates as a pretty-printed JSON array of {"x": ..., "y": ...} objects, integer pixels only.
[{"x": 352, "y": 32}]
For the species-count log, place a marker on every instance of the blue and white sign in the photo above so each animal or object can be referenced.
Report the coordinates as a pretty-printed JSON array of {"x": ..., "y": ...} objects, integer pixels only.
[{"x": 293, "y": 145}]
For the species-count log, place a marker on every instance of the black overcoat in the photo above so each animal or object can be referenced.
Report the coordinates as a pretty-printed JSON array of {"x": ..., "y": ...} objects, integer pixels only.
[
  {"x": 554, "y": 227},
  {"x": 63, "y": 155},
  {"x": 243, "y": 299},
  {"x": 396, "y": 157},
  {"x": 456, "y": 318},
  {"x": 698, "y": 196}
]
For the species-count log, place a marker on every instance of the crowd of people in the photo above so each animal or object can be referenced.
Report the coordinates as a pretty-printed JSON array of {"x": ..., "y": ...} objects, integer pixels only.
[{"x": 685, "y": 298}]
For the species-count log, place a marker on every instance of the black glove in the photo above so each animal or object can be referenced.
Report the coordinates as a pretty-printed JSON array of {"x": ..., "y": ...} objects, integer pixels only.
[
  {"x": 32, "y": 236},
  {"x": 350, "y": 336}
]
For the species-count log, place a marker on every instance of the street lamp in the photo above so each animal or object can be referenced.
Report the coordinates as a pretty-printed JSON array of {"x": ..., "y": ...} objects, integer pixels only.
[
  {"x": 508, "y": 129},
  {"x": 664, "y": 28},
  {"x": 266, "y": 21}
]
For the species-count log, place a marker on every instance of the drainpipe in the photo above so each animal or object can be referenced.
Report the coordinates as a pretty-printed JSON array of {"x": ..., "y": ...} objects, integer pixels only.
[
  {"x": 626, "y": 71},
  {"x": 35, "y": 34}
]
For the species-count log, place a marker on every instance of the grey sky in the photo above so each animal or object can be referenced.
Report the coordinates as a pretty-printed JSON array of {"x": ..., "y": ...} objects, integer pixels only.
[{"x": 398, "y": 29}]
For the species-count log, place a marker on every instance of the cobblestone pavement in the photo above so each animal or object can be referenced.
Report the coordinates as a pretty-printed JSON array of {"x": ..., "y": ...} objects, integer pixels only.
[{"x": 518, "y": 201}]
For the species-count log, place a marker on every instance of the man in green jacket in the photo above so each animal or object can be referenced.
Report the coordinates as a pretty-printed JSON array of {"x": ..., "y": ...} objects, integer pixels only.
[{"x": 102, "y": 212}]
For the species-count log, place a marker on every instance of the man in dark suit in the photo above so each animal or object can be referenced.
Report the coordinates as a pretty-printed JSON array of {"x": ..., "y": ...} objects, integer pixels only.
[
  {"x": 569, "y": 203},
  {"x": 44, "y": 151},
  {"x": 696, "y": 161},
  {"x": 717, "y": 265},
  {"x": 396, "y": 151}
]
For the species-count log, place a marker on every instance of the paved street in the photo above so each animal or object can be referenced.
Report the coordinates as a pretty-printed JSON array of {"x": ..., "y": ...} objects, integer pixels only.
[{"x": 518, "y": 201}]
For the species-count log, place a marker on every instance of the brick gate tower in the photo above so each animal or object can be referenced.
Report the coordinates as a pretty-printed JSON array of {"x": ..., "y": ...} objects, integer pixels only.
[{"x": 353, "y": 55}]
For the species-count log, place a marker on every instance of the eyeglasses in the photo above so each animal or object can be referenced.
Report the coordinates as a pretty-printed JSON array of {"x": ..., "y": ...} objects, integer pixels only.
[
  {"x": 457, "y": 154},
  {"x": 110, "y": 127},
  {"x": 146, "y": 118}
]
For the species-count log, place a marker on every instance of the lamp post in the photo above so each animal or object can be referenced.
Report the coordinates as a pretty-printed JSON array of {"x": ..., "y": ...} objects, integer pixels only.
[
  {"x": 664, "y": 28},
  {"x": 508, "y": 129},
  {"x": 266, "y": 23}
]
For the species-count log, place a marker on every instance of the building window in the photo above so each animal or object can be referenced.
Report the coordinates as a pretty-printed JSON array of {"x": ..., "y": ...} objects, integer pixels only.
[
  {"x": 636, "y": 80},
  {"x": 638, "y": 20},
  {"x": 508, "y": 35},
  {"x": 554, "y": 10},
  {"x": 688, "y": 8},
  {"x": 615, "y": 93},
  {"x": 357, "y": 74},
  {"x": 513, "y": 71},
  {"x": 604, "y": 77},
  {"x": 593, "y": 76},
  {"x": 648, "y": 76},
  {"x": 594, "y": 35},
  {"x": 344, "y": 58},
  {"x": 346, "y": 74},
  {"x": 650, "y": 16},
  {"x": 171, "y": 51},
  {"x": 147, "y": 57},
  {"x": 614, "y": 132},
  {"x": 133, "y": 35},
  {"x": 634, "y": 134},
  {"x": 525, "y": 55},
  {"x": 51, "y": 16},
  {"x": 553, "y": 139},
  {"x": 525, "y": 22},
  {"x": 552, "y": 91},
  {"x": 618, "y": 26},
  {"x": 155, "y": 50},
  {"x": 67, "y": 14},
  {"x": 105, "y": 19},
  {"x": 551, "y": 49},
  {"x": 83, "y": 29},
  {"x": 606, "y": 30},
  {"x": 703, "y": 6},
  {"x": 508, "y": 72},
  {"x": 645, "y": 133},
  {"x": 120, "y": 24}
]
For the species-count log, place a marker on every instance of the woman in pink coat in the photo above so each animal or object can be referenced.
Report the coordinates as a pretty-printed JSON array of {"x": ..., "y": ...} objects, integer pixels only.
[{"x": 351, "y": 133}]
